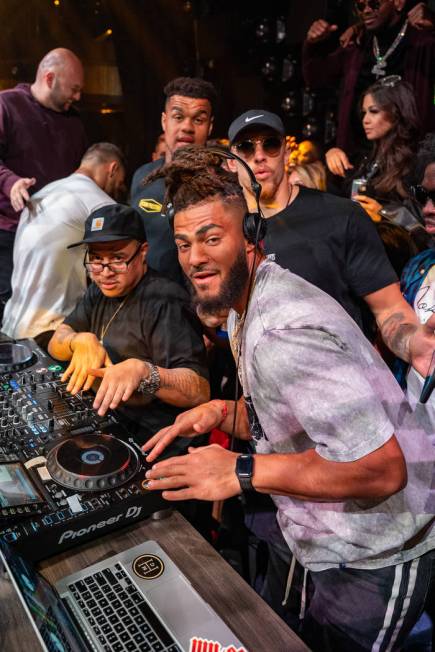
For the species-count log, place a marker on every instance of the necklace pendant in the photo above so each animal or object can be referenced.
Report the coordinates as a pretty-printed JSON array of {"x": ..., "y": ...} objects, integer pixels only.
[{"x": 379, "y": 68}]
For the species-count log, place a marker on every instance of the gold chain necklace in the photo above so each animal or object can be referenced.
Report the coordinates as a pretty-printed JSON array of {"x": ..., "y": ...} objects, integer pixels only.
[{"x": 105, "y": 328}]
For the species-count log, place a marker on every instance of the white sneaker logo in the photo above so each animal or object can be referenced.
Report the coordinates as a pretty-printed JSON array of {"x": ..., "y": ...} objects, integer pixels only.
[{"x": 254, "y": 117}]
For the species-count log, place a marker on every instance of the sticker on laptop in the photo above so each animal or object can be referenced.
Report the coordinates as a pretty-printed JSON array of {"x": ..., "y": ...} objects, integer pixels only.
[
  {"x": 97, "y": 224},
  {"x": 203, "y": 645},
  {"x": 148, "y": 567}
]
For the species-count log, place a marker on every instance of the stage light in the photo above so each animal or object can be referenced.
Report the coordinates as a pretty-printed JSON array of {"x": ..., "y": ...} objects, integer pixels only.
[
  {"x": 281, "y": 31},
  {"x": 56, "y": 2},
  {"x": 310, "y": 128},
  {"x": 262, "y": 31},
  {"x": 289, "y": 104},
  {"x": 269, "y": 68}
]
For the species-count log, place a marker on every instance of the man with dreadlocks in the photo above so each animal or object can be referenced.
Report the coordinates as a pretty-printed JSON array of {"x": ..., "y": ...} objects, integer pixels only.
[{"x": 335, "y": 441}]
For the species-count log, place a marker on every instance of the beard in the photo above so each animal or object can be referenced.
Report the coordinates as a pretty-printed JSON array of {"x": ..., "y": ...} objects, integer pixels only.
[{"x": 231, "y": 291}]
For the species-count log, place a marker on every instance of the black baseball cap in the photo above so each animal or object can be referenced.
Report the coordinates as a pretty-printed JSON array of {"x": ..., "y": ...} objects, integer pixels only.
[
  {"x": 256, "y": 118},
  {"x": 113, "y": 222}
]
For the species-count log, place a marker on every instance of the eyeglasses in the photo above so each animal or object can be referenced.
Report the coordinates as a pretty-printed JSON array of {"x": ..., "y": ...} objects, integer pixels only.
[
  {"x": 117, "y": 268},
  {"x": 371, "y": 4},
  {"x": 422, "y": 196},
  {"x": 271, "y": 146}
]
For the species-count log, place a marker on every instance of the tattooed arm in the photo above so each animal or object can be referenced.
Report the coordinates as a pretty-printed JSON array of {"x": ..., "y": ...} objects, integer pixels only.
[
  {"x": 182, "y": 387},
  {"x": 400, "y": 329}
]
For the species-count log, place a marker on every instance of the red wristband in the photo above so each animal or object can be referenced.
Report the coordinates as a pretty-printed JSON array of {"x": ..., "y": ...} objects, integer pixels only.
[{"x": 224, "y": 411}]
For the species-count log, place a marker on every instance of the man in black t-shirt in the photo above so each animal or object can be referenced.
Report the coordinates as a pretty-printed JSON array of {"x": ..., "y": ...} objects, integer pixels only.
[
  {"x": 187, "y": 119},
  {"x": 134, "y": 329},
  {"x": 328, "y": 240}
]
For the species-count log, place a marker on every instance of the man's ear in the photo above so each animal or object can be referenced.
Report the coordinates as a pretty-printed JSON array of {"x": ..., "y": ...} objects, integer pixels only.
[
  {"x": 49, "y": 78},
  {"x": 210, "y": 129},
  {"x": 144, "y": 251},
  {"x": 113, "y": 168},
  {"x": 163, "y": 121},
  {"x": 232, "y": 165}
]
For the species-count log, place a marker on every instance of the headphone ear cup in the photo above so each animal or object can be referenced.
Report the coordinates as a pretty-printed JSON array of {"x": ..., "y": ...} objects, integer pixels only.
[
  {"x": 254, "y": 227},
  {"x": 170, "y": 214}
]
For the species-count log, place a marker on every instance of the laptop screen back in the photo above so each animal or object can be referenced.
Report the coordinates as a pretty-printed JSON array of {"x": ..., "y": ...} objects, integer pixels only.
[{"x": 56, "y": 630}]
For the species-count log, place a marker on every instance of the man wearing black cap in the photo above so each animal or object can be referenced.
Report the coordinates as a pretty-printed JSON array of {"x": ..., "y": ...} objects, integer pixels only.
[
  {"x": 329, "y": 241},
  {"x": 123, "y": 330}
]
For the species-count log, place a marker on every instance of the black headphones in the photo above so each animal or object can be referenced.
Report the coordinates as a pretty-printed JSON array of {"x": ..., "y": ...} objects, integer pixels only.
[{"x": 254, "y": 224}]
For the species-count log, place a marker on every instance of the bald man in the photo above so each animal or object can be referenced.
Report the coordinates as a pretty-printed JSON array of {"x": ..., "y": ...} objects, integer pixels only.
[{"x": 42, "y": 139}]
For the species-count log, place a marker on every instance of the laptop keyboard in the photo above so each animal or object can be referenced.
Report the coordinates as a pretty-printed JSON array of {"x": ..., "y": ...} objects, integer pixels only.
[{"x": 119, "y": 615}]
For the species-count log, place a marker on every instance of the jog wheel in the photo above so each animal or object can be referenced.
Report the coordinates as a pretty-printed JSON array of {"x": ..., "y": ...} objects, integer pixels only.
[
  {"x": 92, "y": 462},
  {"x": 15, "y": 356}
]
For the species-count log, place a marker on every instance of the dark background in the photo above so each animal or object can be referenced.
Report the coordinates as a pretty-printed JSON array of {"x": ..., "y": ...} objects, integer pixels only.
[{"x": 131, "y": 48}]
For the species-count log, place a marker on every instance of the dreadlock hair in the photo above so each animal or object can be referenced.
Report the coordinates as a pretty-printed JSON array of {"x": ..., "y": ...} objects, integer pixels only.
[{"x": 196, "y": 175}]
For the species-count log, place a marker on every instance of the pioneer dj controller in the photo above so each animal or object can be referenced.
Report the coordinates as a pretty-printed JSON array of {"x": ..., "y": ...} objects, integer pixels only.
[{"x": 66, "y": 474}]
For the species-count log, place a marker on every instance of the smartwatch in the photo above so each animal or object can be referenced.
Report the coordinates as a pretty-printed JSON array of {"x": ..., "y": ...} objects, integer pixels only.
[{"x": 244, "y": 471}]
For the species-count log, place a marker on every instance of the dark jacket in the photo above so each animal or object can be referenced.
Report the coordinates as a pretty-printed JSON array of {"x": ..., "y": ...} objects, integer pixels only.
[
  {"x": 34, "y": 142},
  {"x": 323, "y": 68}
]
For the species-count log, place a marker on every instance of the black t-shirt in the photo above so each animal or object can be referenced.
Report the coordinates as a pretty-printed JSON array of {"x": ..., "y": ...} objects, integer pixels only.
[
  {"x": 332, "y": 243},
  {"x": 156, "y": 324},
  {"x": 162, "y": 255}
]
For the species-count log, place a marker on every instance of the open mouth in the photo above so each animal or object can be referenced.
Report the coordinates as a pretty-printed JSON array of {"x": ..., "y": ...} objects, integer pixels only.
[{"x": 203, "y": 277}]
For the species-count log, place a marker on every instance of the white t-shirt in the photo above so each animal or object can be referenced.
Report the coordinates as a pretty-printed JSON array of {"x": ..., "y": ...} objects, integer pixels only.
[
  {"x": 48, "y": 279},
  {"x": 311, "y": 380}
]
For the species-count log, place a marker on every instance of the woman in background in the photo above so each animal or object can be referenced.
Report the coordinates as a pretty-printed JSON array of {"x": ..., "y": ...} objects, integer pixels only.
[{"x": 391, "y": 125}]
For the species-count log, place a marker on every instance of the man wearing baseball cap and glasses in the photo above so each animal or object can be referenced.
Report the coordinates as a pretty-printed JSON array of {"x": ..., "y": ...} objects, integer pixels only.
[
  {"x": 134, "y": 329},
  {"x": 329, "y": 241}
]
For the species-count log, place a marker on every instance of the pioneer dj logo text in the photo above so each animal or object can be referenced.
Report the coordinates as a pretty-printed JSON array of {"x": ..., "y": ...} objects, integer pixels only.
[
  {"x": 132, "y": 512},
  {"x": 202, "y": 645}
]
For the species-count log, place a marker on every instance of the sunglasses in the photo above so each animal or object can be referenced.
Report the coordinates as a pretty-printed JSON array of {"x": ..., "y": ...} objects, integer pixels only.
[
  {"x": 271, "y": 146},
  {"x": 422, "y": 196},
  {"x": 371, "y": 4}
]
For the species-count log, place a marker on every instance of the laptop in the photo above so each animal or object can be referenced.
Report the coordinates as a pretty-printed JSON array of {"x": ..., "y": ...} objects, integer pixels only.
[{"x": 135, "y": 601}]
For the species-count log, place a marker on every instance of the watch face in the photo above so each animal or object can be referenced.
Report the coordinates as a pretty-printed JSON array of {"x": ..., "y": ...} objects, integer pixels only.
[{"x": 244, "y": 465}]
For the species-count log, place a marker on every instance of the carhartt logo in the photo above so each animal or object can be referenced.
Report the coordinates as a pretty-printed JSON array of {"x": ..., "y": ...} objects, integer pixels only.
[
  {"x": 150, "y": 206},
  {"x": 254, "y": 117},
  {"x": 97, "y": 224}
]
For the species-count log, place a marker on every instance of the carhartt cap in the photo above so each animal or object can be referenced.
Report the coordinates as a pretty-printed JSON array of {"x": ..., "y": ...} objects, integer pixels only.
[{"x": 113, "y": 222}]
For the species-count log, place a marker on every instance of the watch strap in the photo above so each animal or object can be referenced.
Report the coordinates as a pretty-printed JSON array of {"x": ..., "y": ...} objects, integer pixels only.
[{"x": 245, "y": 471}]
